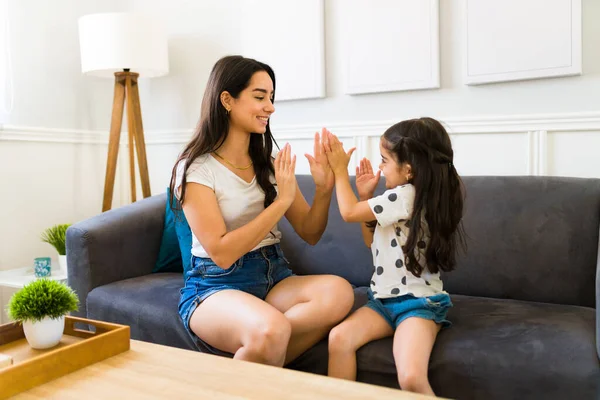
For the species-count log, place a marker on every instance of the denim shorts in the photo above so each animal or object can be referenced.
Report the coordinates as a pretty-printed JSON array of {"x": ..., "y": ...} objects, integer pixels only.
[
  {"x": 397, "y": 309},
  {"x": 255, "y": 273}
]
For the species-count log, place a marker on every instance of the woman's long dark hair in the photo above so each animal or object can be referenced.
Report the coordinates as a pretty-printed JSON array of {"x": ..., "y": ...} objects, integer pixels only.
[
  {"x": 425, "y": 145},
  {"x": 231, "y": 74}
]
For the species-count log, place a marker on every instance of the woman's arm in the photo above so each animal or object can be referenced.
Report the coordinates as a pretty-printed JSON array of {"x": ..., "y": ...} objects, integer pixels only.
[
  {"x": 206, "y": 221},
  {"x": 224, "y": 248},
  {"x": 310, "y": 222}
]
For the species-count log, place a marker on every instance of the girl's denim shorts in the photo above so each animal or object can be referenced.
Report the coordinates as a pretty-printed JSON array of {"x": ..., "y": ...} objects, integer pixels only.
[
  {"x": 255, "y": 273},
  {"x": 397, "y": 309}
]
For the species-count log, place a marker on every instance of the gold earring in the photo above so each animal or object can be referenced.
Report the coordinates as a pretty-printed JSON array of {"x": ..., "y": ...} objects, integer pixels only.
[{"x": 227, "y": 109}]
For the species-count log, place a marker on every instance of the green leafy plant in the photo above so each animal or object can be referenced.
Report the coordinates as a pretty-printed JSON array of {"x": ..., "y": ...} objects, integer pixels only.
[
  {"x": 56, "y": 236},
  {"x": 42, "y": 298}
]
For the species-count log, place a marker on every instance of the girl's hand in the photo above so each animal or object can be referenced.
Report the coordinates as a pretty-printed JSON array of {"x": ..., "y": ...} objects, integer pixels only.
[
  {"x": 285, "y": 175},
  {"x": 366, "y": 181},
  {"x": 319, "y": 165},
  {"x": 338, "y": 158}
]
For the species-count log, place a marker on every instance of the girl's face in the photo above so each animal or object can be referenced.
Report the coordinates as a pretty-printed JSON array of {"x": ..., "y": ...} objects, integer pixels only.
[
  {"x": 250, "y": 112},
  {"x": 395, "y": 174}
]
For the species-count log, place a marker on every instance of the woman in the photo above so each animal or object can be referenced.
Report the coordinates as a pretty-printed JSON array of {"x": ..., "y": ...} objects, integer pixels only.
[{"x": 240, "y": 296}]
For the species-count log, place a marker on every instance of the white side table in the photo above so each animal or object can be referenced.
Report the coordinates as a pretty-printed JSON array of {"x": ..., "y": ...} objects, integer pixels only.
[{"x": 19, "y": 277}]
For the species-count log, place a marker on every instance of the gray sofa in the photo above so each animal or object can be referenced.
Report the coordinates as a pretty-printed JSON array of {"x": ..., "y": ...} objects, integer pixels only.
[{"x": 526, "y": 294}]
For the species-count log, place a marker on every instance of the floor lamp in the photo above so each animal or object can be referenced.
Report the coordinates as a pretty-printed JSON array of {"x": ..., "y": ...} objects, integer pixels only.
[{"x": 124, "y": 46}]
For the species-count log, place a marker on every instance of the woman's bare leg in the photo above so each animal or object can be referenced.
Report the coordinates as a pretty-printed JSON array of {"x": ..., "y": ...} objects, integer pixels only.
[
  {"x": 313, "y": 305},
  {"x": 239, "y": 323}
]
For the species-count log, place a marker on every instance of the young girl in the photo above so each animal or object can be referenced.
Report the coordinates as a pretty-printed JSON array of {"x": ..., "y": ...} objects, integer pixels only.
[{"x": 417, "y": 228}]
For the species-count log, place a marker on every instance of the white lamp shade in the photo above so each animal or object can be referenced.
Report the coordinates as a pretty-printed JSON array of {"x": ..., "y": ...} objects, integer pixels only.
[{"x": 112, "y": 42}]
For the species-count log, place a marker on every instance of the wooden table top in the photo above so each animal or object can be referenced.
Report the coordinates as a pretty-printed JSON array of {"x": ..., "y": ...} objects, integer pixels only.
[{"x": 153, "y": 371}]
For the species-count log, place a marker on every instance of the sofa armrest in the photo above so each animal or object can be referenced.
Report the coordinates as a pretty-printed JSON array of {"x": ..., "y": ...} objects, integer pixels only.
[{"x": 115, "y": 245}]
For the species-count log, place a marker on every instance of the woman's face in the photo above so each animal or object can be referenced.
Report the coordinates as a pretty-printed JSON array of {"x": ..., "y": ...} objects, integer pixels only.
[{"x": 250, "y": 112}]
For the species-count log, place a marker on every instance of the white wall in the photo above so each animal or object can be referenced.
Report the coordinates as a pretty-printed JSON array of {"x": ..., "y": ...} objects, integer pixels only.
[
  {"x": 51, "y": 171},
  {"x": 200, "y": 32},
  {"x": 53, "y": 148},
  {"x": 51, "y": 162},
  {"x": 454, "y": 99},
  {"x": 5, "y": 92},
  {"x": 44, "y": 183},
  {"x": 50, "y": 90},
  {"x": 533, "y": 110}
]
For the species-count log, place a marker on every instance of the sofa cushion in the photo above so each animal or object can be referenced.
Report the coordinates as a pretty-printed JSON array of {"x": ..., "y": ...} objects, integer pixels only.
[
  {"x": 508, "y": 348},
  {"x": 175, "y": 251},
  {"x": 148, "y": 304},
  {"x": 169, "y": 256}
]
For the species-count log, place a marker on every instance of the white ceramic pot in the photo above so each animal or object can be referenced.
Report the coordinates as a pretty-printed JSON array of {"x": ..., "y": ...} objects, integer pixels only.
[
  {"x": 45, "y": 333},
  {"x": 62, "y": 261}
]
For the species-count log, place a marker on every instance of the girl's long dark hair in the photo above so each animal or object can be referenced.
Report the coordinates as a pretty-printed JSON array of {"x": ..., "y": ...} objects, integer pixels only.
[
  {"x": 231, "y": 74},
  {"x": 425, "y": 145}
]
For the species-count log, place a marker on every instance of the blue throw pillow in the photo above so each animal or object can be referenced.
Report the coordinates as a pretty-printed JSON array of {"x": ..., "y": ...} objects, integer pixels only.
[{"x": 176, "y": 245}]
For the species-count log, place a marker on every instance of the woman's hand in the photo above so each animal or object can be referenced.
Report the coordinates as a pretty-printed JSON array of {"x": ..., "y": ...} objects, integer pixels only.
[
  {"x": 366, "y": 181},
  {"x": 285, "y": 175},
  {"x": 319, "y": 165},
  {"x": 337, "y": 157}
]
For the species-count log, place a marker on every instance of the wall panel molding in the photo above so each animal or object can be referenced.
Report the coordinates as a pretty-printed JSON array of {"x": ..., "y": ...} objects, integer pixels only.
[{"x": 532, "y": 152}]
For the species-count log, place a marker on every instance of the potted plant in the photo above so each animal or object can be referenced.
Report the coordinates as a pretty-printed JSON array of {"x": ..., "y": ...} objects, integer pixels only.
[
  {"x": 41, "y": 307},
  {"x": 56, "y": 236}
]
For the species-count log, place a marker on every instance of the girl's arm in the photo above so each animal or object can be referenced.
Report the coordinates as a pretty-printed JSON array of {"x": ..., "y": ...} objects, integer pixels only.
[
  {"x": 206, "y": 221},
  {"x": 389, "y": 208},
  {"x": 351, "y": 209},
  {"x": 366, "y": 183}
]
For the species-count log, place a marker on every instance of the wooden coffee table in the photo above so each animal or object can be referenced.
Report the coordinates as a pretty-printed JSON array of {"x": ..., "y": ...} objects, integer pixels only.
[{"x": 153, "y": 371}]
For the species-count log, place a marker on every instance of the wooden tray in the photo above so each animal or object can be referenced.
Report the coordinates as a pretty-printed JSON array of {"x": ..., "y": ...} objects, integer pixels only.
[{"x": 77, "y": 349}]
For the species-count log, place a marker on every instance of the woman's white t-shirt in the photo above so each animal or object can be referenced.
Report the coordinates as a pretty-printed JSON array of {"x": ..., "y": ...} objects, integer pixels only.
[{"x": 239, "y": 201}]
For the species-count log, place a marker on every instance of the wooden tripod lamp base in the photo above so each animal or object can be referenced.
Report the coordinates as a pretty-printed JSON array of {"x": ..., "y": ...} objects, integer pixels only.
[
  {"x": 111, "y": 44},
  {"x": 126, "y": 88}
]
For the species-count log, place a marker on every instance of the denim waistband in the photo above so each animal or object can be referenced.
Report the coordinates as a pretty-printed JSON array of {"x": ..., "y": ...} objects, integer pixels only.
[{"x": 272, "y": 250}]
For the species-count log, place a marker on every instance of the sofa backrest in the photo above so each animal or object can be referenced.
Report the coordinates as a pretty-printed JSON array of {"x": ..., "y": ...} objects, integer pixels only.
[
  {"x": 341, "y": 250},
  {"x": 529, "y": 238}
]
